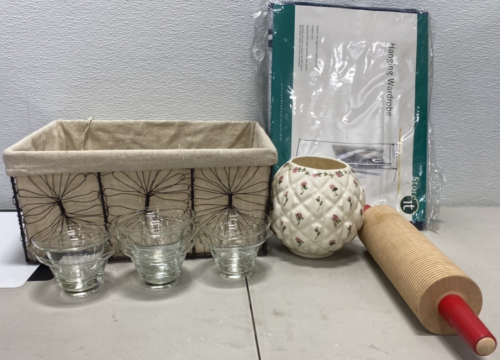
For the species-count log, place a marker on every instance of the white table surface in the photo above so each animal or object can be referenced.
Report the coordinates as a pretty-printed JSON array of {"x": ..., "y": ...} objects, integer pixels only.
[{"x": 341, "y": 307}]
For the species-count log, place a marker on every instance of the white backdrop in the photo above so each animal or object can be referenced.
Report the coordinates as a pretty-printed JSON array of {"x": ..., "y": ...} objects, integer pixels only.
[{"x": 152, "y": 59}]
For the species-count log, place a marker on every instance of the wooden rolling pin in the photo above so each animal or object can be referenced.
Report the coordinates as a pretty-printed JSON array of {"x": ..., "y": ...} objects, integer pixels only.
[{"x": 442, "y": 296}]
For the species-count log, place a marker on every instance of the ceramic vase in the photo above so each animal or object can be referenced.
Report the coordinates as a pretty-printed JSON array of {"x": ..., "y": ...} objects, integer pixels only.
[{"x": 317, "y": 205}]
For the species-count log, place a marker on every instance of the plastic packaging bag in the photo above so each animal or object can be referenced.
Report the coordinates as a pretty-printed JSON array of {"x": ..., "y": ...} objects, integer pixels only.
[{"x": 354, "y": 84}]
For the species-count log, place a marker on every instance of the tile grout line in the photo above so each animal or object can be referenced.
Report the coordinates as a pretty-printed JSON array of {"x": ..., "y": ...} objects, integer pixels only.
[{"x": 253, "y": 320}]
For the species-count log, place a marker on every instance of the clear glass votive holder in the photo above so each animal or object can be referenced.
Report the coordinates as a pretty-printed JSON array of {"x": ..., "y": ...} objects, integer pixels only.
[
  {"x": 76, "y": 255},
  {"x": 157, "y": 241},
  {"x": 234, "y": 241}
]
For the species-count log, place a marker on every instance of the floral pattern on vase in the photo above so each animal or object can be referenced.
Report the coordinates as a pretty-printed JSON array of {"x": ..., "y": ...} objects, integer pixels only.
[
  {"x": 320, "y": 209},
  {"x": 336, "y": 220},
  {"x": 319, "y": 201},
  {"x": 303, "y": 186},
  {"x": 299, "y": 217}
]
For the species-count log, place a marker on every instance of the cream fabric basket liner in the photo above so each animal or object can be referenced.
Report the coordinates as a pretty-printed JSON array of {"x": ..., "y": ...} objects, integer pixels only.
[{"x": 76, "y": 146}]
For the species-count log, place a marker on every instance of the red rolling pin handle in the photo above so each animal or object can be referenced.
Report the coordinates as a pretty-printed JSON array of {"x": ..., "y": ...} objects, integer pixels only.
[{"x": 455, "y": 311}]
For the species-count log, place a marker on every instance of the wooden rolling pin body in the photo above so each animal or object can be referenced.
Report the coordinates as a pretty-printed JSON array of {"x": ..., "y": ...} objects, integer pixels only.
[{"x": 421, "y": 273}]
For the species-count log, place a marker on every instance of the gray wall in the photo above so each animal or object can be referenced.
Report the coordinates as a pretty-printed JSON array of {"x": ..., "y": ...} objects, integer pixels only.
[{"x": 192, "y": 60}]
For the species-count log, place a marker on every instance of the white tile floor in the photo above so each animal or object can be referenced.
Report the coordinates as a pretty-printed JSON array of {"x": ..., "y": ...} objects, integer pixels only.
[{"x": 341, "y": 307}]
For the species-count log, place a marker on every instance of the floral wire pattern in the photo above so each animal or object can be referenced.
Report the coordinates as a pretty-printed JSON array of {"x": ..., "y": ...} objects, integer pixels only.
[
  {"x": 127, "y": 192},
  {"x": 48, "y": 202},
  {"x": 217, "y": 190},
  {"x": 145, "y": 189},
  {"x": 228, "y": 189},
  {"x": 51, "y": 202}
]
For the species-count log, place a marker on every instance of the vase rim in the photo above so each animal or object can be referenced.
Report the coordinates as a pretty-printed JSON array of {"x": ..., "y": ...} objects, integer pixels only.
[{"x": 319, "y": 163}]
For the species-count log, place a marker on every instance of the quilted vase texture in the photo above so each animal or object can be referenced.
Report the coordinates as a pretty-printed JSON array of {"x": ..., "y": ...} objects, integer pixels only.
[{"x": 317, "y": 205}]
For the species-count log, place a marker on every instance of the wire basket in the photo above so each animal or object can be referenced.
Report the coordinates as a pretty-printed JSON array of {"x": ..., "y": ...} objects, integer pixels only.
[{"x": 84, "y": 171}]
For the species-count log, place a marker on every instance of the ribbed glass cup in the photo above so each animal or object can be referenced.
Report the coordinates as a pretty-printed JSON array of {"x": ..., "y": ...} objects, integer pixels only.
[
  {"x": 76, "y": 255},
  {"x": 157, "y": 241},
  {"x": 234, "y": 241}
]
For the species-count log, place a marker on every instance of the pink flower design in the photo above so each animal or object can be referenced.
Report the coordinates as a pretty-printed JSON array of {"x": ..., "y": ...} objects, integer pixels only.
[
  {"x": 299, "y": 217},
  {"x": 299, "y": 241},
  {"x": 295, "y": 169},
  {"x": 334, "y": 189},
  {"x": 332, "y": 242},
  {"x": 315, "y": 175},
  {"x": 336, "y": 220},
  {"x": 339, "y": 174},
  {"x": 286, "y": 198},
  {"x": 316, "y": 230},
  {"x": 355, "y": 183},
  {"x": 350, "y": 202},
  {"x": 303, "y": 186},
  {"x": 280, "y": 180}
]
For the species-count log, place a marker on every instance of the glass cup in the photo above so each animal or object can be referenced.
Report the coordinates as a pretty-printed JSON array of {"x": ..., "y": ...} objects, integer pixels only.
[
  {"x": 76, "y": 255},
  {"x": 234, "y": 241},
  {"x": 157, "y": 241}
]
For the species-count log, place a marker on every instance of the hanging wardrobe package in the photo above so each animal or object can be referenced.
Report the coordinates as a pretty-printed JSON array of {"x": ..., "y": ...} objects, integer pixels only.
[{"x": 353, "y": 84}]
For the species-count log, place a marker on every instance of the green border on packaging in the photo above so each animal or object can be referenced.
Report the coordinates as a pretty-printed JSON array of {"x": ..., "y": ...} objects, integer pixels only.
[
  {"x": 419, "y": 183},
  {"x": 282, "y": 81},
  {"x": 282, "y": 103}
]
